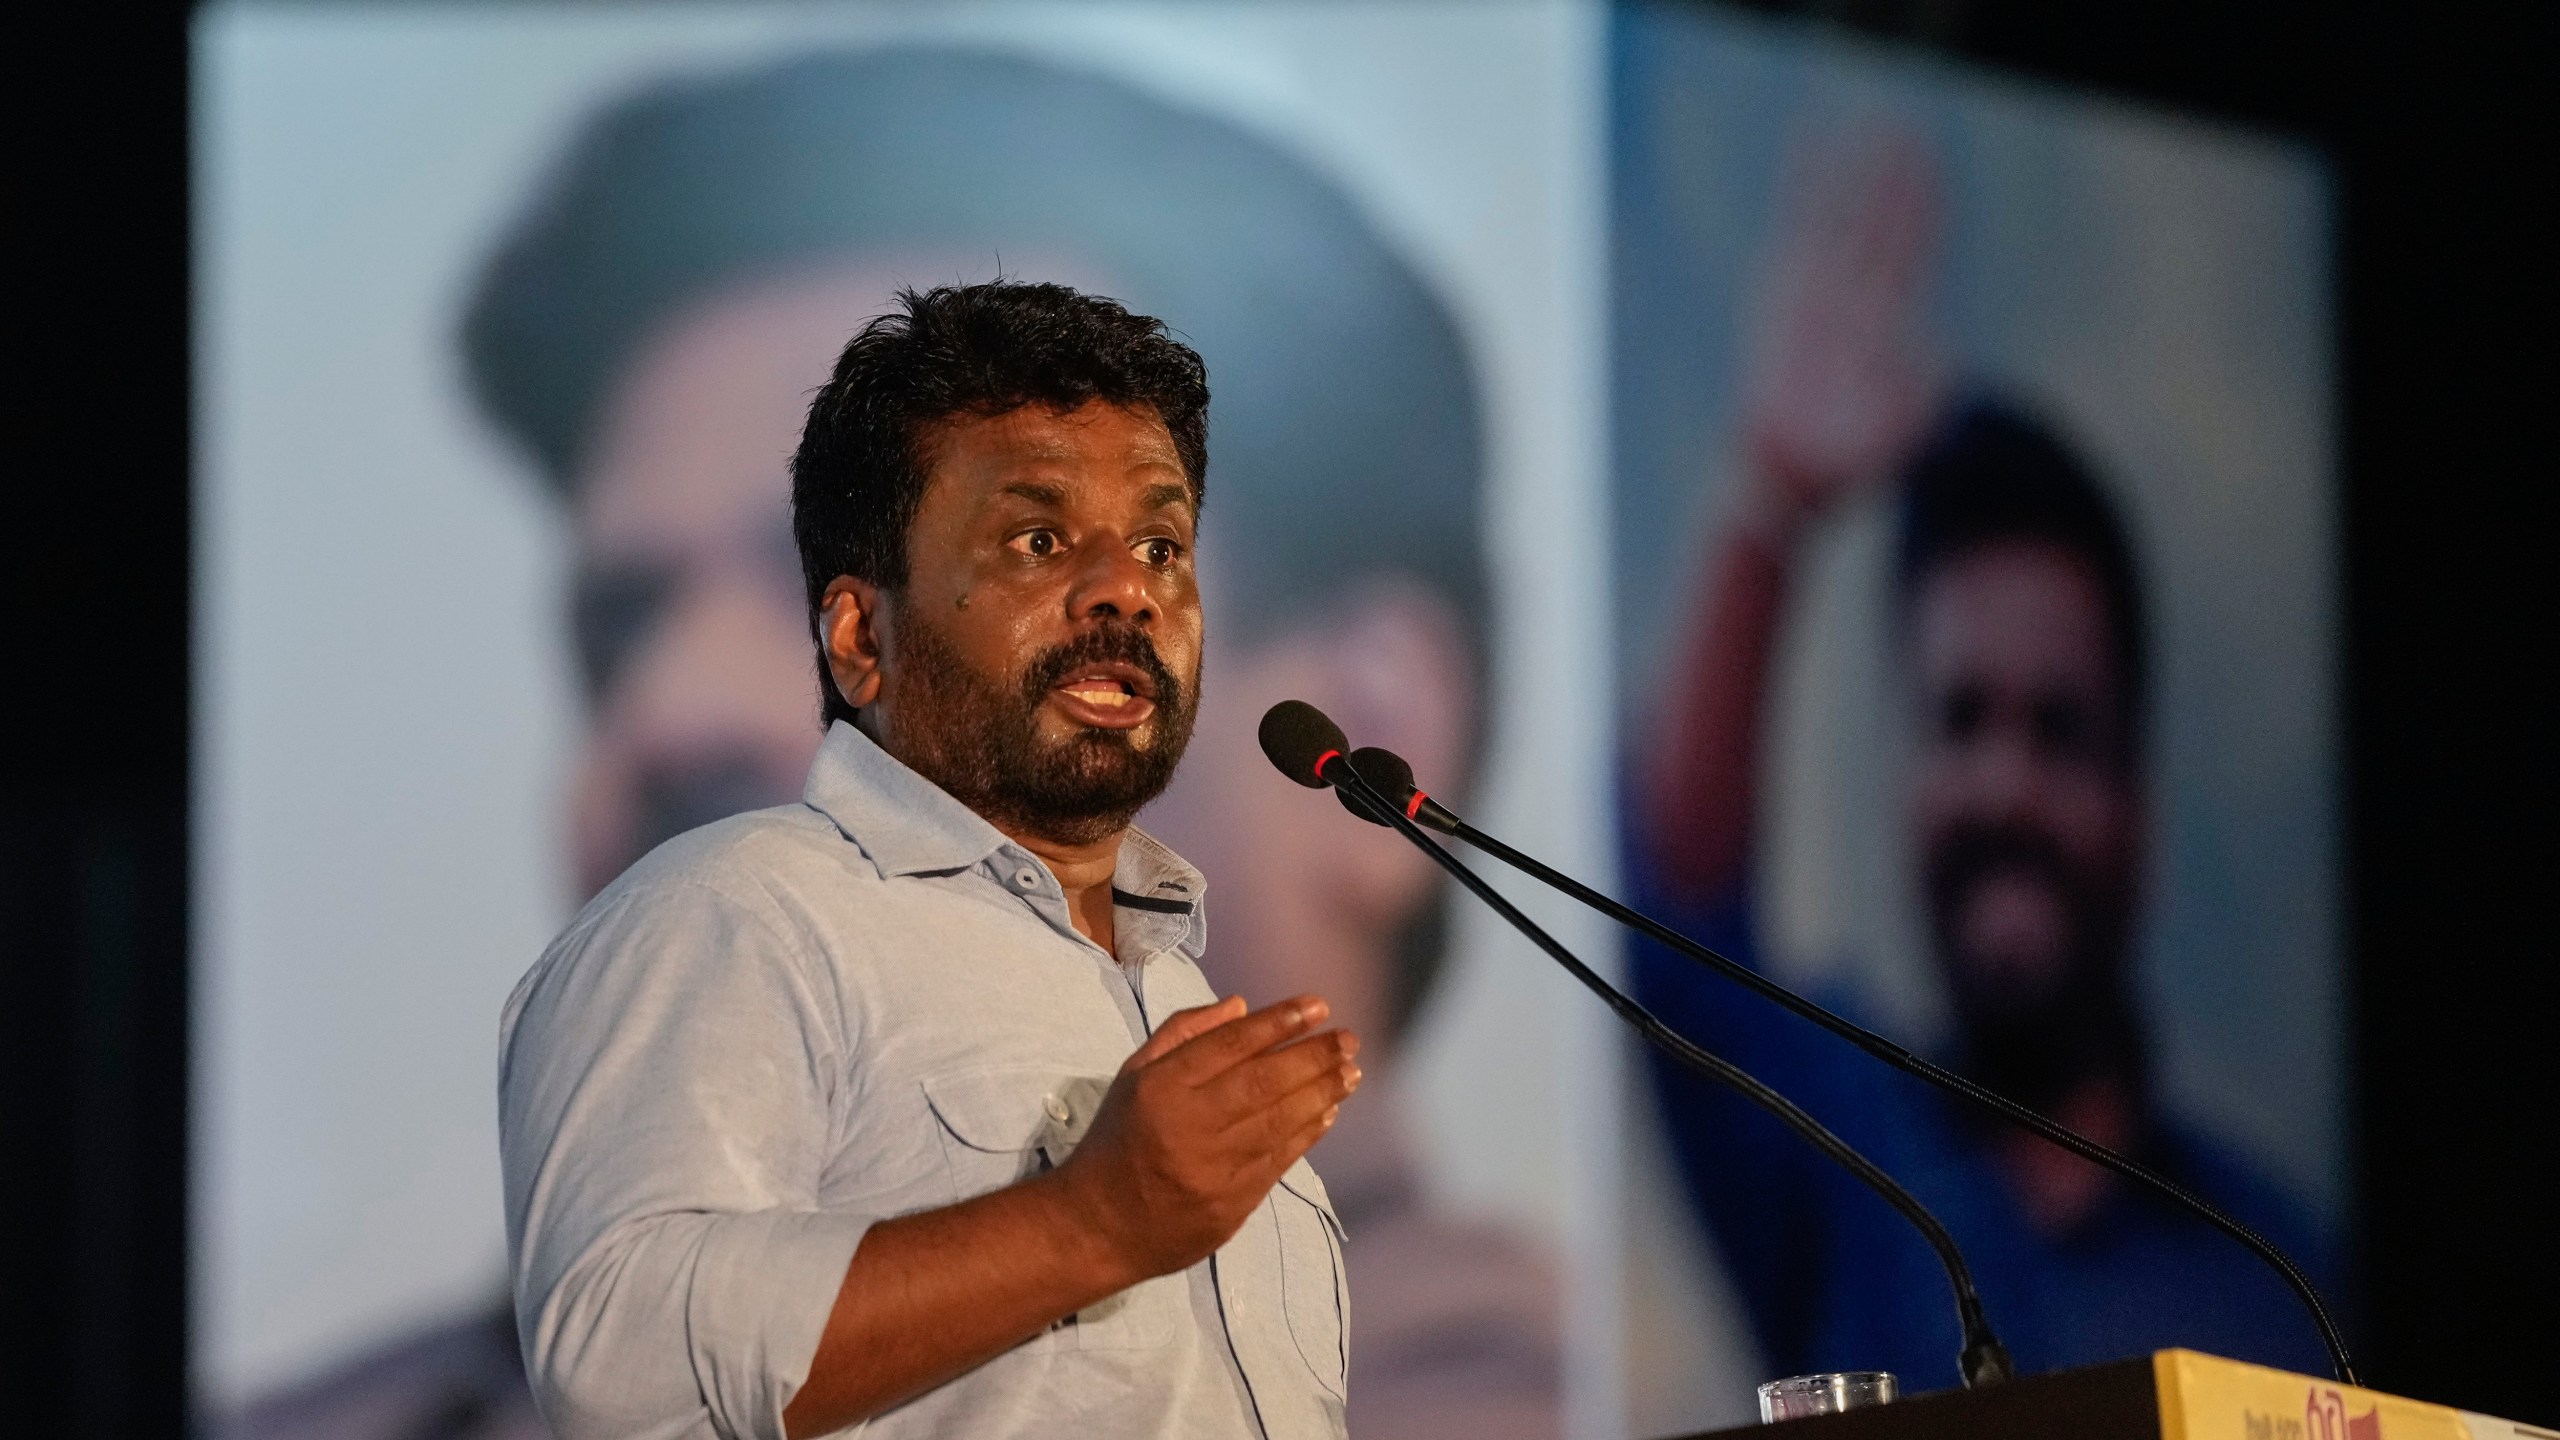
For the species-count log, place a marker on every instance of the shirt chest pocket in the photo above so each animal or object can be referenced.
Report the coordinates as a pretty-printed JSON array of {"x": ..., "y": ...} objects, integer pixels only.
[{"x": 1006, "y": 1124}]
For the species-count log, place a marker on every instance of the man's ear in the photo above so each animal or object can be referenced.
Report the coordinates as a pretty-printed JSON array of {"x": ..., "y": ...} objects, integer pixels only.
[{"x": 849, "y": 630}]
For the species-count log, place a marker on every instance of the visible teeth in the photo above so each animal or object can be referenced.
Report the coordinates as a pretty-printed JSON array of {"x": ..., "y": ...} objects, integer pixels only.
[{"x": 1102, "y": 697}]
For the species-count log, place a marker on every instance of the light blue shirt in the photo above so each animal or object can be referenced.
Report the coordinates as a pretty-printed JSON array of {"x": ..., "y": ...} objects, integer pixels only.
[{"x": 778, "y": 1029}]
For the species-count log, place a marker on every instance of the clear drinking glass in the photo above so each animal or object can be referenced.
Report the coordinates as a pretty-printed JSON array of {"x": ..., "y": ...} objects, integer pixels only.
[{"x": 1801, "y": 1395}]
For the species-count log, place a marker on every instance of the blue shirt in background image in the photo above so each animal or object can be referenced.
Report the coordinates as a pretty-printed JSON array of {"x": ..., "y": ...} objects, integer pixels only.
[{"x": 1834, "y": 1279}]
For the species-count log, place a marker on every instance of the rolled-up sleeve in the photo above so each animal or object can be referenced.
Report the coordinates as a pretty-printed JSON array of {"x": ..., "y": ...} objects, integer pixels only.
[{"x": 667, "y": 1101}]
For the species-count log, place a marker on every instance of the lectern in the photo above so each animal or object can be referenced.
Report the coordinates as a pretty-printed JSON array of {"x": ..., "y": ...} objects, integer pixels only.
[{"x": 2174, "y": 1395}]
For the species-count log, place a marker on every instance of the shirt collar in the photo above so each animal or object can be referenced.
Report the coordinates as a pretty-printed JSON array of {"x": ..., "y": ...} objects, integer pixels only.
[
  {"x": 1159, "y": 896},
  {"x": 907, "y": 825}
]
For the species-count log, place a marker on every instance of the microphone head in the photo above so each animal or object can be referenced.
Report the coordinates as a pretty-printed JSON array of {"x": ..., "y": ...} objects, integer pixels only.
[
  {"x": 1297, "y": 736},
  {"x": 1386, "y": 773}
]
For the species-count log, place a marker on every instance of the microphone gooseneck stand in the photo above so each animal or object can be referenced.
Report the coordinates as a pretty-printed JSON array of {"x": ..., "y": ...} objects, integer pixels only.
[
  {"x": 1318, "y": 753},
  {"x": 1387, "y": 772}
]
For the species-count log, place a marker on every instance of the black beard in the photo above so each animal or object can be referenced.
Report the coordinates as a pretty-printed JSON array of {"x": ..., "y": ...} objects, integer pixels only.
[
  {"x": 2037, "y": 1044},
  {"x": 980, "y": 740}
]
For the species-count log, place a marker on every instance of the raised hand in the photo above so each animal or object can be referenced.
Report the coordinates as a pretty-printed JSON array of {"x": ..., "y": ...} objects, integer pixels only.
[
  {"x": 1200, "y": 1123},
  {"x": 1842, "y": 380},
  {"x": 1842, "y": 374}
]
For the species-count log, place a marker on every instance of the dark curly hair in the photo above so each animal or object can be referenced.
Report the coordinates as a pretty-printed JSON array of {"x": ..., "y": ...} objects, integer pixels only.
[
  {"x": 1994, "y": 472},
  {"x": 964, "y": 350}
]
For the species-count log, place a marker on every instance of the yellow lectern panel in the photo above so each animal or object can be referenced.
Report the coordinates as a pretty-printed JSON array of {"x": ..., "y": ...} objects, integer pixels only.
[{"x": 2203, "y": 1397}]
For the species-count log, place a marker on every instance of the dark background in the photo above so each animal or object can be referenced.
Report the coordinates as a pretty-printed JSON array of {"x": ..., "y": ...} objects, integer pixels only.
[{"x": 2434, "y": 116}]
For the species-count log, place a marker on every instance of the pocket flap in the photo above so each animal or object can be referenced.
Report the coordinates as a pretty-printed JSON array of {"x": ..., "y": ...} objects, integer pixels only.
[
  {"x": 1015, "y": 1107},
  {"x": 1300, "y": 1180}
]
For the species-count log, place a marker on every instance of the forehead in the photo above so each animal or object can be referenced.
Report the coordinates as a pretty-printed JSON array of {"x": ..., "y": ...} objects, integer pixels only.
[
  {"x": 2027, "y": 611},
  {"x": 698, "y": 433},
  {"x": 1094, "y": 442}
]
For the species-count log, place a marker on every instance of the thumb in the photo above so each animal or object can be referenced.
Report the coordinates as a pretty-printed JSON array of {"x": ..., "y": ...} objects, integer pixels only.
[{"x": 1181, "y": 1028}]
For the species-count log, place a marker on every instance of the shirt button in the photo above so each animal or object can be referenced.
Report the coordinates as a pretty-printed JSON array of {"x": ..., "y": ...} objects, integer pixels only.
[
  {"x": 1058, "y": 1109},
  {"x": 1027, "y": 879}
]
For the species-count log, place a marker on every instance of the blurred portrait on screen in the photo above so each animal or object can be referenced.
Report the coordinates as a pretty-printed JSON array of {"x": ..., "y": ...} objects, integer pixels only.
[
  {"x": 1918, "y": 650},
  {"x": 647, "y": 330}
]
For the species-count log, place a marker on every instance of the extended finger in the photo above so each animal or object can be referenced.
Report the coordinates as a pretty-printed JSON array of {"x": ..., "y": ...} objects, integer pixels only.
[
  {"x": 1206, "y": 1056},
  {"x": 1288, "y": 1147},
  {"x": 1182, "y": 1027},
  {"x": 1263, "y": 1079},
  {"x": 1271, "y": 1121}
]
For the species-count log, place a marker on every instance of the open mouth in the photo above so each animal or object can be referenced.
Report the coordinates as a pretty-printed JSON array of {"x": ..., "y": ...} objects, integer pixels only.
[{"x": 1107, "y": 695}]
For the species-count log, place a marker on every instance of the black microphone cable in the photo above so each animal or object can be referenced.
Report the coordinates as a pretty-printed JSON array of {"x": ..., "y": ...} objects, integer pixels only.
[
  {"x": 1387, "y": 772},
  {"x": 1303, "y": 743}
]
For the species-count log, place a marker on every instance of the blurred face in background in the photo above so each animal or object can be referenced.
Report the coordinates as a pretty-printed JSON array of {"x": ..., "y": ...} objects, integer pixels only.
[
  {"x": 2026, "y": 808},
  {"x": 1303, "y": 896},
  {"x": 689, "y": 614}
]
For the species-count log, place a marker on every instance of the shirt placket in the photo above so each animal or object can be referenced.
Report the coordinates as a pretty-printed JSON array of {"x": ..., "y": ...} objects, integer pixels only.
[{"x": 1031, "y": 882}]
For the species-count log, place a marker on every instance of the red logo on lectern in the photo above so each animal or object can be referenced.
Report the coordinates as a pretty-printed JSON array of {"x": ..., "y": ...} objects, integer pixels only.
[{"x": 2325, "y": 1417}]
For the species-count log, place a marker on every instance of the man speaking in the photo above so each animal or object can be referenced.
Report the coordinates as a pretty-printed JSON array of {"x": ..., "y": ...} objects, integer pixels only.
[{"x": 908, "y": 1103}]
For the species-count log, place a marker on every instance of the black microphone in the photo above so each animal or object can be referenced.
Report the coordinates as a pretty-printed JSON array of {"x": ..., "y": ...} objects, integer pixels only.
[
  {"x": 1392, "y": 778},
  {"x": 1308, "y": 748},
  {"x": 1303, "y": 741},
  {"x": 1388, "y": 775}
]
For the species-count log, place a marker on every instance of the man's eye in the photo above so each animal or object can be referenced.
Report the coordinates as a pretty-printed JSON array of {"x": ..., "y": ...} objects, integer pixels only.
[
  {"x": 1157, "y": 553},
  {"x": 2065, "y": 726},
  {"x": 1038, "y": 544},
  {"x": 1963, "y": 713},
  {"x": 616, "y": 609}
]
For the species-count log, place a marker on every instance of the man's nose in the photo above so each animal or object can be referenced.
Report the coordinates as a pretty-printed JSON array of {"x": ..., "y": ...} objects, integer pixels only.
[
  {"x": 1113, "y": 584},
  {"x": 2006, "y": 771}
]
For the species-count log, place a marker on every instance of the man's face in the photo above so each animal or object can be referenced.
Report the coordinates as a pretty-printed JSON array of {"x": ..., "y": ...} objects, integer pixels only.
[
  {"x": 689, "y": 611},
  {"x": 1042, "y": 661},
  {"x": 2026, "y": 811}
]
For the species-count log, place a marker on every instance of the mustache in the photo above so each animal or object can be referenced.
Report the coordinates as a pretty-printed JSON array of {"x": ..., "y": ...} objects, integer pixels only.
[
  {"x": 2036, "y": 1039},
  {"x": 1973, "y": 851},
  {"x": 1111, "y": 642}
]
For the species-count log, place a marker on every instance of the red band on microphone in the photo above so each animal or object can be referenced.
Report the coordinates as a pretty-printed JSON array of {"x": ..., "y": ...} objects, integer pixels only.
[
  {"x": 1318, "y": 767},
  {"x": 1413, "y": 806}
]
